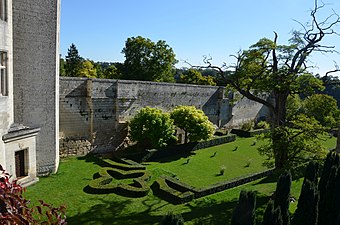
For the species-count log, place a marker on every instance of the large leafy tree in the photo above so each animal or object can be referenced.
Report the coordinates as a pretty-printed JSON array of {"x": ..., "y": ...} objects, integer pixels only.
[
  {"x": 73, "y": 62},
  {"x": 192, "y": 76},
  {"x": 88, "y": 69},
  {"x": 323, "y": 108},
  {"x": 281, "y": 70},
  {"x": 152, "y": 128},
  {"x": 146, "y": 60},
  {"x": 194, "y": 122}
]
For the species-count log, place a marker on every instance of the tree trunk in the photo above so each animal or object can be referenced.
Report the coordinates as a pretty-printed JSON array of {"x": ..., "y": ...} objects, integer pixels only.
[
  {"x": 279, "y": 137},
  {"x": 185, "y": 137}
]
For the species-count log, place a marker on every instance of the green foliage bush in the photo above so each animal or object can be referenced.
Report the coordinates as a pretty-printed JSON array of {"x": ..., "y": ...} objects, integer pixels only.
[
  {"x": 262, "y": 125},
  {"x": 194, "y": 122},
  {"x": 221, "y": 132},
  {"x": 302, "y": 139},
  {"x": 193, "y": 76},
  {"x": 152, "y": 127},
  {"x": 323, "y": 108},
  {"x": 247, "y": 126}
]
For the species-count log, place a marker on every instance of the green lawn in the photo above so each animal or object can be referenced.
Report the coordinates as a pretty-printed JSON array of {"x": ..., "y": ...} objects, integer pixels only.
[
  {"x": 67, "y": 187},
  {"x": 202, "y": 168}
]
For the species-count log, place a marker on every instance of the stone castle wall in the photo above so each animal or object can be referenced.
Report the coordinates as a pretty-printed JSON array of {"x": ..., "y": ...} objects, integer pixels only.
[{"x": 97, "y": 109}]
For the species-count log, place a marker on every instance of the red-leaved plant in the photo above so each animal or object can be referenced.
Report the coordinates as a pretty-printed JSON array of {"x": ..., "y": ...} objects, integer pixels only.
[{"x": 15, "y": 209}]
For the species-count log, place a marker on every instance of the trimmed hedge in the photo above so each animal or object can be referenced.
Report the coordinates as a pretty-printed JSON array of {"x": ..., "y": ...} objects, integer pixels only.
[
  {"x": 124, "y": 165},
  {"x": 252, "y": 133},
  {"x": 161, "y": 189},
  {"x": 176, "y": 192},
  {"x": 201, "y": 192},
  {"x": 154, "y": 154}
]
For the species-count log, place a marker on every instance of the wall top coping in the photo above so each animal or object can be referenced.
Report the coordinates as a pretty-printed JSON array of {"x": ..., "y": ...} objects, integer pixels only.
[
  {"x": 19, "y": 132},
  {"x": 138, "y": 82}
]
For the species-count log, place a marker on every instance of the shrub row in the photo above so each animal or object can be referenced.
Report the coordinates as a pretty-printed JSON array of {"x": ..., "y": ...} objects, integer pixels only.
[
  {"x": 251, "y": 133},
  {"x": 176, "y": 192},
  {"x": 201, "y": 192},
  {"x": 124, "y": 165},
  {"x": 161, "y": 189},
  {"x": 154, "y": 154}
]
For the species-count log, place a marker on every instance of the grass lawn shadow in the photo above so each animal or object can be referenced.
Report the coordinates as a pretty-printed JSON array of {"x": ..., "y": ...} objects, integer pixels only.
[
  {"x": 109, "y": 212},
  {"x": 211, "y": 212},
  {"x": 186, "y": 154},
  {"x": 94, "y": 159}
]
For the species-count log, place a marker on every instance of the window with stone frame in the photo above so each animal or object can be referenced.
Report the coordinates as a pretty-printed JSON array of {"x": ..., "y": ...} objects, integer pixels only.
[
  {"x": 3, "y": 10},
  {"x": 3, "y": 74}
]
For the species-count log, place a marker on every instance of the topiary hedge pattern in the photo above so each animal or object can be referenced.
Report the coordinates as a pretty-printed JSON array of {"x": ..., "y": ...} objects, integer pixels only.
[
  {"x": 123, "y": 179},
  {"x": 131, "y": 180},
  {"x": 162, "y": 189}
]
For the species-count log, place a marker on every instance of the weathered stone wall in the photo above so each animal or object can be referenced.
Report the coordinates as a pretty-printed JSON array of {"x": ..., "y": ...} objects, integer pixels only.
[
  {"x": 133, "y": 95},
  {"x": 245, "y": 110},
  {"x": 6, "y": 102},
  {"x": 74, "y": 147},
  {"x": 36, "y": 61},
  {"x": 97, "y": 109}
]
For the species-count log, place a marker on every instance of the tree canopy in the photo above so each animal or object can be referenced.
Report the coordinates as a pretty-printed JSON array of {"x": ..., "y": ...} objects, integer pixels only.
[
  {"x": 281, "y": 70},
  {"x": 193, "y": 76},
  {"x": 146, "y": 60},
  {"x": 194, "y": 122},
  {"x": 88, "y": 69},
  {"x": 152, "y": 127},
  {"x": 323, "y": 108},
  {"x": 73, "y": 62}
]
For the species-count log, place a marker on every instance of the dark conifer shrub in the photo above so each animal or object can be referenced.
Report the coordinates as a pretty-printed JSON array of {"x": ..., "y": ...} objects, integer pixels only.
[
  {"x": 272, "y": 216},
  {"x": 244, "y": 213},
  {"x": 312, "y": 172},
  {"x": 327, "y": 192},
  {"x": 307, "y": 208},
  {"x": 282, "y": 196}
]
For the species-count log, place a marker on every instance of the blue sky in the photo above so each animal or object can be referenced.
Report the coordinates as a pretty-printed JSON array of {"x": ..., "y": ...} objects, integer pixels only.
[{"x": 193, "y": 28}]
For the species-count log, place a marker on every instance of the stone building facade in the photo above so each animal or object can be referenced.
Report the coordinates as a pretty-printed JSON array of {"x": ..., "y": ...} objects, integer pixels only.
[{"x": 29, "y": 57}]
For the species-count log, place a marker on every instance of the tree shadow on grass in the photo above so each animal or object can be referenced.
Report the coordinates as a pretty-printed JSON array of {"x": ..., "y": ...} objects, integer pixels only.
[
  {"x": 94, "y": 159},
  {"x": 269, "y": 179},
  {"x": 110, "y": 212},
  {"x": 210, "y": 212},
  {"x": 176, "y": 157}
]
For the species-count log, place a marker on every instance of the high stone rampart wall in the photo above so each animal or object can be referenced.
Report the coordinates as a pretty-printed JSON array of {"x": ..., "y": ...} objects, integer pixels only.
[{"x": 98, "y": 109}]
